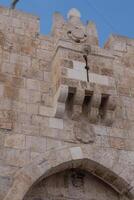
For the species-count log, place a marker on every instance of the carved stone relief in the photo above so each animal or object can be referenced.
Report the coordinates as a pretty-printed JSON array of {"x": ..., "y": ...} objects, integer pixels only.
[
  {"x": 84, "y": 132},
  {"x": 77, "y": 35},
  {"x": 73, "y": 184}
]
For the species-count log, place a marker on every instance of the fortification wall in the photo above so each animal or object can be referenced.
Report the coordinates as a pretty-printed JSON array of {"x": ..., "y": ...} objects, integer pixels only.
[{"x": 51, "y": 114}]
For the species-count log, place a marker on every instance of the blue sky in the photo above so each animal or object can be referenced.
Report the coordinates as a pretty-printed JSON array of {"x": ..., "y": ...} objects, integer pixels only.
[{"x": 110, "y": 16}]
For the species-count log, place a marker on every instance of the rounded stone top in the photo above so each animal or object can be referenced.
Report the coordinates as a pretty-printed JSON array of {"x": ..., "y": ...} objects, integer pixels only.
[{"x": 73, "y": 13}]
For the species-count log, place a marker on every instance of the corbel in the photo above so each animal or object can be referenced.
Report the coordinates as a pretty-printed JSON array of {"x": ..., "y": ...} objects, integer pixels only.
[
  {"x": 93, "y": 107},
  {"x": 78, "y": 99},
  {"x": 62, "y": 95}
]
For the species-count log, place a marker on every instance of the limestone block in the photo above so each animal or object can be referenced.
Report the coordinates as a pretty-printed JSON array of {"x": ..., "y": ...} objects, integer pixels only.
[
  {"x": 120, "y": 46},
  {"x": 117, "y": 143},
  {"x": 5, "y": 184},
  {"x": 32, "y": 84},
  {"x": 44, "y": 54},
  {"x": 79, "y": 73},
  {"x": 6, "y": 119},
  {"x": 34, "y": 96},
  {"x": 36, "y": 144},
  {"x": 34, "y": 155},
  {"x": 8, "y": 68},
  {"x": 95, "y": 50},
  {"x": 15, "y": 141},
  {"x": 109, "y": 118},
  {"x": 76, "y": 153},
  {"x": 28, "y": 129},
  {"x": 24, "y": 118},
  {"x": 6, "y": 170},
  {"x": 46, "y": 111},
  {"x": 67, "y": 63},
  {"x": 52, "y": 143},
  {"x": 99, "y": 79},
  {"x": 105, "y": 141},
  {"x": 16, "y": 157},
  {"x": 129, "y": 144},
  {"x": 56, "y": 123},
  {"x": 1, "y": 90},
  {"x": 6, "y": 125},
  {"x": 23, "y": 95},
  {"x": 32, "y": 108},
  {"x": 47, "y": 76},
  {"x": 38, "y": 119},
  {"x": 1, "y": 139},
  {"x": 100, "y": 130}
]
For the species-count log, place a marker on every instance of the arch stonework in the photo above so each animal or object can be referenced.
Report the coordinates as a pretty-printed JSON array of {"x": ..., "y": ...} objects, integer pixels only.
[{"x": 61, "y": 159}]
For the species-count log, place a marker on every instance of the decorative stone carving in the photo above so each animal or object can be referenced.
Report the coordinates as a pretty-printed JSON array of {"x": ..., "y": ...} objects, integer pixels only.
[
  {"x": 84, "y": 132},
  {"x": 77, "y": 34}
]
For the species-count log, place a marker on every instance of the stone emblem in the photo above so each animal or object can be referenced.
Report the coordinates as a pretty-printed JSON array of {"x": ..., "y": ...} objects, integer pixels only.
[
  {"x": 77, "y": 34},
  {"x": 84, "y": 132}
]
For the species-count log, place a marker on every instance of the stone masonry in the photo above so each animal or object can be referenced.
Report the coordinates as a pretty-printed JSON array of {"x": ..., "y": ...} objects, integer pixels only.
[{"x": 62, "y": 136}]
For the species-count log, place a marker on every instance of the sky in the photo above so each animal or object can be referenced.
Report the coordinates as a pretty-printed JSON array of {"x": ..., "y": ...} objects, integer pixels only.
[{"x": 110, "y": 16}]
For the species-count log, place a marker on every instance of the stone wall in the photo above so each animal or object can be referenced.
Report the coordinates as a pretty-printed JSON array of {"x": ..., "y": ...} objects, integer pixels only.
[{"x": 48, "y": 108}]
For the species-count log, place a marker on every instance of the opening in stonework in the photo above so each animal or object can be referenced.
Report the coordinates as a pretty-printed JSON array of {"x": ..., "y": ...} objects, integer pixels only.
[
  {"x": 72, "y": 184},
  {"x": 103, "y": 105}
]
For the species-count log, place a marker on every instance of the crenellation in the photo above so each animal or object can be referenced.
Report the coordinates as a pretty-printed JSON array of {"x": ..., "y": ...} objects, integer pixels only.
[{"x": 53, "y": 119}]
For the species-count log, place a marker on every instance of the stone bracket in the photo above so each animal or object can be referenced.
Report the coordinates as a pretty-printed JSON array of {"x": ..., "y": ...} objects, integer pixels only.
[
  {"x": 97, "y": 107},
  {"x": 61, "y": 101},
  {"x": 109, "y": 111},
  {"x": 77, "y": 104},
  {"x": 93, "y": 107}
]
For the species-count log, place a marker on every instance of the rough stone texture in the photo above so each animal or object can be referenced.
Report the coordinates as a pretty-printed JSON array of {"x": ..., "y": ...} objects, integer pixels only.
[
  {"x": 71, "y": 184},
  {"x": 52, "y": 119}
]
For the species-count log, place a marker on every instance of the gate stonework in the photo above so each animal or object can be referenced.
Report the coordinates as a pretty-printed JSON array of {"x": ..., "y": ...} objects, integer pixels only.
[{"x": 65, "y": 104}]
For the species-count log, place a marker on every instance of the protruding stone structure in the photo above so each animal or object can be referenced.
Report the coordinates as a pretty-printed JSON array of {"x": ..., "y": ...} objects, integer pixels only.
[{"x": 63, "y": 136}]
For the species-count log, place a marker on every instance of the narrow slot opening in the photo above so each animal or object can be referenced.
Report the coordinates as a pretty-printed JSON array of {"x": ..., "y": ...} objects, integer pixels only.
[
  {"x": 103, "y": 105},
  {"x": 70, "y": 99},
  {"x": 86, "y": 102}
]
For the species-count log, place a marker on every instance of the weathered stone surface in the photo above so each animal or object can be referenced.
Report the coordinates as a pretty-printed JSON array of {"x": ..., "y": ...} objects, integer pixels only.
[
  {"x": 52, "y": 119},
  {"x": 75, "y": 184},
  {"x": 15, "y": 141},
  {"x": 84, "y": 132}
]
